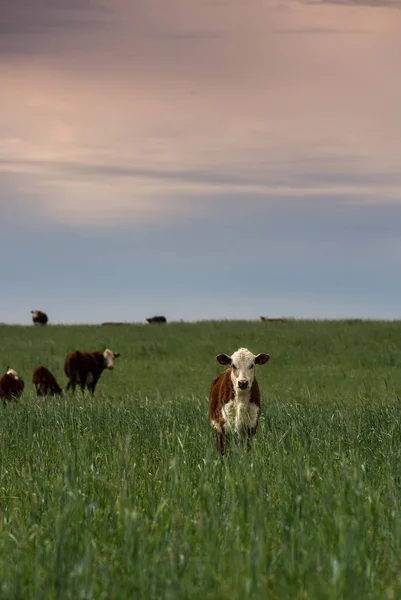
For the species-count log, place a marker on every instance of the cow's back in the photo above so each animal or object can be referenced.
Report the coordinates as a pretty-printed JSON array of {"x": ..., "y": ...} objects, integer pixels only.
[
  {"x": 42, "y": 374},
  {"x": 83, "y": 362},
  {"x": 44, "y": 381},
  {"x": 71, "y": 362}
]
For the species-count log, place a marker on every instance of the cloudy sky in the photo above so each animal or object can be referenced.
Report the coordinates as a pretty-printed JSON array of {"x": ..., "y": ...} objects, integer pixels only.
[{"x": 200, "y": 159}]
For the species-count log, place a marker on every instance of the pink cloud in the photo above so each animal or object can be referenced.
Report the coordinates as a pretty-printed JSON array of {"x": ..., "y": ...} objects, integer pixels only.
[{"x": 230, "y": 91}]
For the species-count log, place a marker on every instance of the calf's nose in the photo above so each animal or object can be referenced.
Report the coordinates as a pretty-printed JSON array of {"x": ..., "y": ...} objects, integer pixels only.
[{"x": 242, "y": 384}]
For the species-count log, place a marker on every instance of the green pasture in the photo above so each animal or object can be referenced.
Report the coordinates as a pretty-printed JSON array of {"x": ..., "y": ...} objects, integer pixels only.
[{"x": 123, "y": 495}]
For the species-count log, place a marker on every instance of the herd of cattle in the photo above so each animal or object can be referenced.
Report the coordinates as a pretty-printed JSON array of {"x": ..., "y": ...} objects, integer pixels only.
[
  {"x": 234, "y": 398},
  {"x": 83, "y": 368},
  {"x": 39, "y": 317}
]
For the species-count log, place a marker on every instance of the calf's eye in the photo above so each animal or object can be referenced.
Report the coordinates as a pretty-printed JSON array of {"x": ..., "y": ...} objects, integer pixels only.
[
  {"x": 234, "y": 367},
  {"x": 252, "y": 366}
]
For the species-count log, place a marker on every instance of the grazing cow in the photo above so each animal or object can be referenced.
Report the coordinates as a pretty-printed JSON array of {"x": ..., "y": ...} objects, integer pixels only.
[
  {"x": 11, "y": 385},
  {"x": 234, "y": 406},
  {"x": 45, "y": 383},
  {"x": 39, "y": 317},
  {"x": 85, "y": 368},
  {"x": 273, "y": 319},
  {"x": 158, "y": 319}
]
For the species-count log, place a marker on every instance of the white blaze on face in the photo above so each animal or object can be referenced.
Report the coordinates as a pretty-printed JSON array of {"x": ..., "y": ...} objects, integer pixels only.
[
  {"x": 109, "y": 357},
  {"x": 35, "y": 314},
  {"x": 243, "y": 367},
  {"x": 12, "y": 373}
]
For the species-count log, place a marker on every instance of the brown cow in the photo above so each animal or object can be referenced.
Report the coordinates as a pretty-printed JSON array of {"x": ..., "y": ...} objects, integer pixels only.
[
  {"x": 45, "y": 383},
  {"x": 39, "y": 317},
  {"x": 234, "y": 406},
  {"x": 85, "y": 368},
  {"x": 11, "y": 385}
]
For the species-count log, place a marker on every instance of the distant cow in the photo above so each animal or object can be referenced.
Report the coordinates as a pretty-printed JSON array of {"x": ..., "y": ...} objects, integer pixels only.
[
  {"x": 45, "y": 383},
  {"x": 272, "y": 319},
  {"x": 11, "y": 385},
  {"x": 39, "y": 317},
  {"x": 234, "y": 406},
  {"x": 85, "y": 368},
  {"x": 158, "y": 319}
]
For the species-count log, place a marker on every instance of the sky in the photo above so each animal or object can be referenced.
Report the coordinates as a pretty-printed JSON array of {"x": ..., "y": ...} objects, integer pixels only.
[{"x": 200, "y": 159}]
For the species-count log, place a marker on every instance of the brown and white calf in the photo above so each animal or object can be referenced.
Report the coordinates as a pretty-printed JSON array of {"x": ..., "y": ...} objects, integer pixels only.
[
  {"x": 45, "y": 383},
  {"x": 234, "y": 407},
  {"x": 39, "y": 317},
  {"x": 85, "y": 368},
  {"x": 11, "y": 385}
]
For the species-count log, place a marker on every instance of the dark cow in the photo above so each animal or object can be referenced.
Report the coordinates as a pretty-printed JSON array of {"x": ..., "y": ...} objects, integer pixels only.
[
  {"x": 85, "y": 368},
  {"x": 280, "y": 319},
  {"x": 45, "y": 383},
  {"x": 11, "y": 385},
  {"x": 234, "y": 406},
  {"x": 39, "y": 317},
  {"x": 157, "y": 319}
]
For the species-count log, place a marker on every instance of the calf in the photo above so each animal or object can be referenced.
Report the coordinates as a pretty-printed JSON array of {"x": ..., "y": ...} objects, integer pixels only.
[
  {"x": 45, "y": 383},
  {"x": 85, "y": 368},
  {"x": 11, "y": 385},
  {"x": 234, "y": 406},
  {"x": 158, "y": 319},
  {"x": 39, "y": 317}
]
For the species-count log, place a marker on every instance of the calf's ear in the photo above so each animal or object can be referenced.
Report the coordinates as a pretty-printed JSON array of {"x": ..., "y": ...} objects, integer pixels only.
[
  {"x": 262, "y": 358},
  {"x": 116, "y": 354},
  {"x": 223, "y": 359}
]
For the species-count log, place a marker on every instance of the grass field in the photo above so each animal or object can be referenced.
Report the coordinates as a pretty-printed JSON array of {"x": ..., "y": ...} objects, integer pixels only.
[{"x": 123, "y": 495}]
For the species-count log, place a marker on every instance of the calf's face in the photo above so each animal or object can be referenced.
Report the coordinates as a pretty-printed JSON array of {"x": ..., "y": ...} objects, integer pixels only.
[
  {"x": 242, "y": 364},
  {"x": 109, "y": 357},
  {"x": 12, "y": 373}
]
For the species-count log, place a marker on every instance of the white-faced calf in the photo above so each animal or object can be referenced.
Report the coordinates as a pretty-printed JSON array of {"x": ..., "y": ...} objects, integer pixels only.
[
  {"x": 11, "y": 385},
  {"x": 234, "y": 407},
  {"x": 39, "y": 316},
  {"x": 85, "y": 368}
]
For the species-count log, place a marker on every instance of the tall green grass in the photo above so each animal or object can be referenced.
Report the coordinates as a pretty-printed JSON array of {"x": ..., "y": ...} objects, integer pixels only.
[{"x": 123, "y": 495}]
